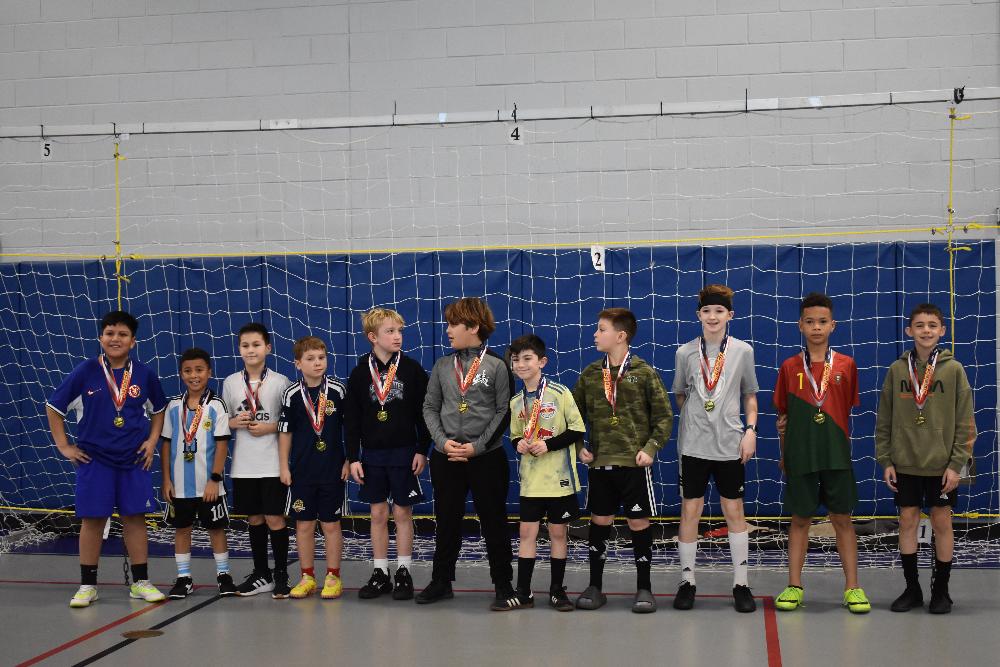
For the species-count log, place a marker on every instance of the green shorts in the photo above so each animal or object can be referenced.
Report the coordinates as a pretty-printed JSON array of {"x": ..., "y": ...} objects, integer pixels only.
[{"x": 836, "y": 489}]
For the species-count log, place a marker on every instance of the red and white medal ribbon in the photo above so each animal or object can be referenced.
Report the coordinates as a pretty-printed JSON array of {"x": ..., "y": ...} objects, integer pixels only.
[
  {"x": 711, "y": 377},
  {"x": 118, "y": 394},
  {"x": 317, "y": 413},
  {"x": 921, "y": 395},
  {"x": 531, "y": 426},
  {"x": 819, "y": 393},
  {"x": 382, "y": 390},
  {"x": 465, "y": 382},
  {"x": 253, "y": 397},
  {"x": 190, "y": 432},
  {"x": 611, "y": 389}
]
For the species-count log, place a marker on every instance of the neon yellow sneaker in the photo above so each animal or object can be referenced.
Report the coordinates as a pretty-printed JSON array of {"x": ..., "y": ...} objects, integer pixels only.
[
  {"x": 84, "y": 596},
  {"x": 333, "y": 587},
  {"x": 143, "y": 590},
  {"x": 856, "y": 602},
  {"x": 790, "y": 599},
  {"x": 304, "y": 588}
]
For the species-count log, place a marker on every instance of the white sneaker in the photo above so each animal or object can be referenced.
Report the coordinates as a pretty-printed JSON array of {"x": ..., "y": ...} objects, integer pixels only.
[
  {"x": 85, "y": 595},
  {"x": 143, "y": 590}
]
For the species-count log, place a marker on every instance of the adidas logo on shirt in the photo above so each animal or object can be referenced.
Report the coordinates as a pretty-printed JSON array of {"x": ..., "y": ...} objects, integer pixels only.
[{"x": 636, "y": 508}]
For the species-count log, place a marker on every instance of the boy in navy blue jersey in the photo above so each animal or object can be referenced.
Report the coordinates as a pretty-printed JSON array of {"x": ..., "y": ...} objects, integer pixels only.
[
  {"x": 193, "y": 456},
  {"x": 386, "y": 441},
  {"x": 311, "y": 456},
  {"x": 114, "y": 450}
]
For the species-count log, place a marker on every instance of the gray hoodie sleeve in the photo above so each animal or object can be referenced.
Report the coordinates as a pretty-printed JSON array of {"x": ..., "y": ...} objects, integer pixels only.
[
  {"x": 503, "y": 391},
  {"x": 432, "y": 408}
]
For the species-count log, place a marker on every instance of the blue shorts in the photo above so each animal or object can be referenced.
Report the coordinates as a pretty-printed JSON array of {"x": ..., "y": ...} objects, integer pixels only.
[
  {"x": 317, "y": 501},
  {"x": 396, "y": 483},
  {"x": 100, "y": 489}
]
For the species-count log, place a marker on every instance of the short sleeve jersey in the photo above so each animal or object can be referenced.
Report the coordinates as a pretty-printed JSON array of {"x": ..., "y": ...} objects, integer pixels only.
[
  {"x": 189, "y": 477},
  {"x": 552, "y": 474},
  {"x": 811, "y": 446},
  {"x": 309, "y": 462},
  {"x": 85, "y": 391},
  {"x": 713, "y": 434},
  {"x": 255, "y": 455}
]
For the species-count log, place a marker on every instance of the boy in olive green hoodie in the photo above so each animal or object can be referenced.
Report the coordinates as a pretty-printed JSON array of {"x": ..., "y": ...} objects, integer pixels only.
[
  {"x": 627, "y": 412},
  {"x": 923, "y": 438}
]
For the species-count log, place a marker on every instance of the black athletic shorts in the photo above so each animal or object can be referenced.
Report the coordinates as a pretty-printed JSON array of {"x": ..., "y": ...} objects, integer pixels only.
[
  {"x": 317, "y": 501},
  {"x": 693, "y": 474},
  {"x": 559, "y": 509},
  {"x": 614, "y": 487},
  {"x": 396, "y": 483},
  {"x": 260, "y": 495},
  {"x": 920, "y": 491},
  {"x": 182, "y": 512}
]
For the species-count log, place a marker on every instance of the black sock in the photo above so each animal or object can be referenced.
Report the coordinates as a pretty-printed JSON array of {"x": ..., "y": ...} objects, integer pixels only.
[
  {"x": 910, "y": 569},
  {"x": 525, "y": 568},
  {"x": 942, "y": 574},
  {"x": 279, "y": 546},
  {"x": 88, "y": 575},
  {"x": 558, "y": 573},
  {"x": 258, "y": 546},
  {"x": 140, "y": 571},
  {"x": 642, "y": 548},
  {"x": 598, "y": 543}
]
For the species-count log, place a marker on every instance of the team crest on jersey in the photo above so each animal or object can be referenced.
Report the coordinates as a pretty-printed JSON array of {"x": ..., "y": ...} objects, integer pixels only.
[
  {"x": 330, "y": 408},
  {"x": 134, "y": 391},
  {"x": 298, "y": 505},
  {"x": 207, "y": 424},
  {"x": 395, "y": 393},
  {"x": 548, "y": 411},
  {"x": 481, "y": 378},
  {"x": 837, "y": 378},
  {"x": 632, "y": 379}
]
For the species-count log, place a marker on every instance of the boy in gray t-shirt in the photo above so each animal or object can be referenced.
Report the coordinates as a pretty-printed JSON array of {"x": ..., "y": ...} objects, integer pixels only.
[{"x": 713, "y": 372}]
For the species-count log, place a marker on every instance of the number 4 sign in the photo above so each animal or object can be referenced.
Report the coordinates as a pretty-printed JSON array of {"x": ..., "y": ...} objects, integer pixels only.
[{"x": 597, "y": 257}]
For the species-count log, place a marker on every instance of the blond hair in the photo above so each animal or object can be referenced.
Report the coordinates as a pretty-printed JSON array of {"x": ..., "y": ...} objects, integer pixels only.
[{"x": 374, "y": 318}]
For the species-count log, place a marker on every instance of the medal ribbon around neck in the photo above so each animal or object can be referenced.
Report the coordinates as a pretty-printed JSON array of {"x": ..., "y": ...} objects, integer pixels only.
[
  {"x": 531, "y": 427},
  {"x": 317, "y": 413},
  {"x": 382, "y": 390},
  {"x": 921, "y": 395},
  {"x": 712, "y": 378},
  {"x": 819, "y": 393},
  {"x": 253, "y": 397},
  {"x": 464, "y": 384},
  {"x": 118, "y": 394},
  {"x": 611, "y": 390},
  {"x": 191, "y": 431}
]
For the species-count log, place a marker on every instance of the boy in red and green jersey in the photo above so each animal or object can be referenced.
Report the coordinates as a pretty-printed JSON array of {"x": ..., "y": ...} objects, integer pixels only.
[{"x": 814, "y": 395}]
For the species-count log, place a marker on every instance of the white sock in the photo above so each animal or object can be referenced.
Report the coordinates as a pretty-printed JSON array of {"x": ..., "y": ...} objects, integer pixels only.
[
  {"x": 404, "y": 561},
  {"x": 382, "y": 564},
  {"x": 739, "y": 550},
  {"x": 687, "y": 551},
  {"x": 221, "y": 562},
  {"x": 183, "y": 564}
]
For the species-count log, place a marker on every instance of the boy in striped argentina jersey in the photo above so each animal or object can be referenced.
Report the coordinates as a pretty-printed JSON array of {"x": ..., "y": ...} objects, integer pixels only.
[{"x": 193, "y": 454}]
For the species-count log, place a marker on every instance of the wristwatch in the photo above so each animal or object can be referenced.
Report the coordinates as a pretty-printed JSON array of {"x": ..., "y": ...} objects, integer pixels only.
[
  {"x": 215, "y": 477},
  {"x": 751, "y": 427}
]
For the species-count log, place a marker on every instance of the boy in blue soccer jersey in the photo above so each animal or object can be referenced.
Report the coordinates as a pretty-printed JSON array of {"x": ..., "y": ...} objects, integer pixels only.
[
  {"x": 115, "y": 444},
  {"x": 193, "y": 456},
  {"x": 311, "y": 456}
]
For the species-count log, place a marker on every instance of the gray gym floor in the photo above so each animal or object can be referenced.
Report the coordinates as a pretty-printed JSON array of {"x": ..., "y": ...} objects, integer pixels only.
[{"x": 39, "y": 627}]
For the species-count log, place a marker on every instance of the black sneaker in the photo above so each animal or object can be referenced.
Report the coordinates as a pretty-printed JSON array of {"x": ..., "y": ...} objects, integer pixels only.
[
  {"x": 281, "y": 588},
  {"x": 684, "y": 599},
  {"x": 436, "y": 590},
  {"x": 403, "y": 589},
  {"x": 911, "y": 598},
  {"x": 508, "y": 600},
  {"x": 743, "y": 600},
  {"x": 940, "y": 601},
  {"x": 183, "y": 587},
  {"x": 559, "y": 601},
  {"x": 256, "y": 583},
  {"x": 376, "y": 586},
  {"x": 226, "y": 585}
]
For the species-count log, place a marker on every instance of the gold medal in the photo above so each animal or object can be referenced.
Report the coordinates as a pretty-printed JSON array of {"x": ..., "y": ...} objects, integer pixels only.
[
  {"x": 382, "y": 415},
  {"x": 119, "y": 421},
  {"x": 614, "y": 420},
  {"x": 819, "y": 417},
  {"x": 463, "y": 406},
  {"x": 920, "y": 419},
  {"x": 320, "y": 446},
  {"x": 189, "y": 456},
  {"x": 709, "y": 405}
]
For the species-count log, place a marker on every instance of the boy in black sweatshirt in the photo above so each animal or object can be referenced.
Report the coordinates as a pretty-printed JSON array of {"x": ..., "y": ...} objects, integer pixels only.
[{"x": 386, "y": 441}]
